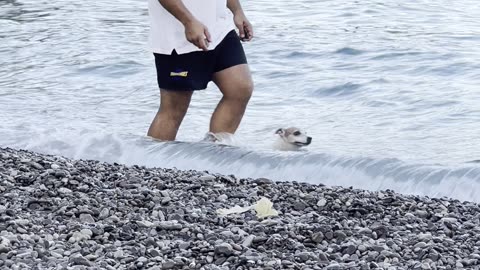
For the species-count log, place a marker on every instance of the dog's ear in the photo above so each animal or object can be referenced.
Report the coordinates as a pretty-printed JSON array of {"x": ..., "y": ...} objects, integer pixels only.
[{"x": 280, "y": 131}]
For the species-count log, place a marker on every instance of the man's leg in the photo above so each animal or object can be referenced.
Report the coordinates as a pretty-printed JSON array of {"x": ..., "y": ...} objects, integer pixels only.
[
  {"x": 173, "y": 107},
  {"x": 236, "y": 85}
]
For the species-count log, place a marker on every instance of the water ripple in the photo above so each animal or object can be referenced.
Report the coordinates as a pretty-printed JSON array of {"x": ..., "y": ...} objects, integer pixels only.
[
  {"x": 339, "y": 90},
  {"x": 349, "y": 51}
]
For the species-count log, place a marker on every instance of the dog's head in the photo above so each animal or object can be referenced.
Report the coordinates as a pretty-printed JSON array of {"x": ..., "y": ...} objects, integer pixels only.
[{"x": 294, "y": 137}]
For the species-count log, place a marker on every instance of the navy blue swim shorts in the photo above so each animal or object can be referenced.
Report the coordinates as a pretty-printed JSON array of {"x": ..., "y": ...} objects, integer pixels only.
[{"x": 194, "y": 70}]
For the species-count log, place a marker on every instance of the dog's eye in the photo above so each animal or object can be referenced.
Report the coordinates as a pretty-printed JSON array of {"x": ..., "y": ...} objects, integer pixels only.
[{"x": 296, "y": 133}]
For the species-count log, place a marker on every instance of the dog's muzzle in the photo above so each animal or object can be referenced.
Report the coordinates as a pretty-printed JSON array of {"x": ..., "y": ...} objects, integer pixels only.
[{"x": 309, "y": 141}]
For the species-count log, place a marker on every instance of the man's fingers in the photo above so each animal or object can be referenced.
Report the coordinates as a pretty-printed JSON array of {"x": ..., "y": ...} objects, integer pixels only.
[
  {"x": 207, "y": 35},
  {"x": 198, "y": 35},
  {"x": 249, "y": 30},
  {"x": 241, "y": 32},
  {"x": 202, "y": 44}
]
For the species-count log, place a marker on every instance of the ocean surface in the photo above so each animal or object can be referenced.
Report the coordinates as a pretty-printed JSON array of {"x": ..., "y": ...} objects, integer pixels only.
[{"x": 389, "y": 91}]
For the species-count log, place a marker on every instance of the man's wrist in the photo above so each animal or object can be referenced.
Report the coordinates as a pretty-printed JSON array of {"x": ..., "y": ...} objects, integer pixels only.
[
  {"x": 187, "y": 21},
  {"x": 239, "y": 12}
]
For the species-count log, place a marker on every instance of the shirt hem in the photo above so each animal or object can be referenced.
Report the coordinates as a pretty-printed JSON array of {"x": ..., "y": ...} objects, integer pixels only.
[{"x": 189, "y": 50}]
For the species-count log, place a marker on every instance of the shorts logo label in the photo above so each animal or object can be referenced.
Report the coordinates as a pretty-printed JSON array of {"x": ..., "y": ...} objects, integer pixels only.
[{"x": 179, "y": 74}]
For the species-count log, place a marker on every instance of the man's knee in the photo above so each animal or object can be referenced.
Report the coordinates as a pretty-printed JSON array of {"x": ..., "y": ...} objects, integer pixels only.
[
  {"x": 247, "y": 88},
  {"x": 175, "y": 113},
  {"x": 243, "y": 91}
]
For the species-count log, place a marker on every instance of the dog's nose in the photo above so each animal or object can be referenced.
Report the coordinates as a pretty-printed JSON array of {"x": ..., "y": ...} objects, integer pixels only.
[{"x": 309, "y": 140}]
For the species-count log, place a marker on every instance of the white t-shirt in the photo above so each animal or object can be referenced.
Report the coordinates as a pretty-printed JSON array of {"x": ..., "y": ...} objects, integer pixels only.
[{"x": 168, "y": 34}]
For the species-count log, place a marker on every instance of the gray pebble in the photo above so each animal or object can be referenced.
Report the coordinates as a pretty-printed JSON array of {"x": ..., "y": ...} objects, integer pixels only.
[
  {"x": 79, "y": 260},
  {"x": 263, "y": 181},
  {"x": 248, "y": 241},
  {"x": 224, "y": 249},
  {"x": 86, "y": 218},
  {"x": 322, "y": 202}
]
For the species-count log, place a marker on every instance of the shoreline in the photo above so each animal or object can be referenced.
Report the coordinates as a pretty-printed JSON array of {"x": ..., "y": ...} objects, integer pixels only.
[{"x": 82, "y": 214}]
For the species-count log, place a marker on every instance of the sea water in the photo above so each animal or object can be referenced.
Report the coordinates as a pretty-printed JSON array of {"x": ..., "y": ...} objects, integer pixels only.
[{"x": 389, "y": 91}]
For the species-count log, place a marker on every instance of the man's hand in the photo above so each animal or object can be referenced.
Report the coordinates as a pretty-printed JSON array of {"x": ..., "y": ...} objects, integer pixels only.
[
  {"x": 197, "y": 34},
  {"x": 244, "y": 26},
  {"x": 195, "y": 31}
]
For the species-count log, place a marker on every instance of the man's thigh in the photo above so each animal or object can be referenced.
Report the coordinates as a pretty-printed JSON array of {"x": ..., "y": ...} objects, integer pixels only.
[
  {"x": 175, "y": 100},
  {"x": 234, "y": 81},
  {"x": 231, "y": 73}
]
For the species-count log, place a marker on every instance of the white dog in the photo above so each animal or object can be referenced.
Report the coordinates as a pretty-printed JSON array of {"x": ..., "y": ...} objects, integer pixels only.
[{"x": 289, "y": 139}]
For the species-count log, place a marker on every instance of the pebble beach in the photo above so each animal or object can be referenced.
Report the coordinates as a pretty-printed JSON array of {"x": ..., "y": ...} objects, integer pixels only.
[{"x": 59, "y": 213}]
